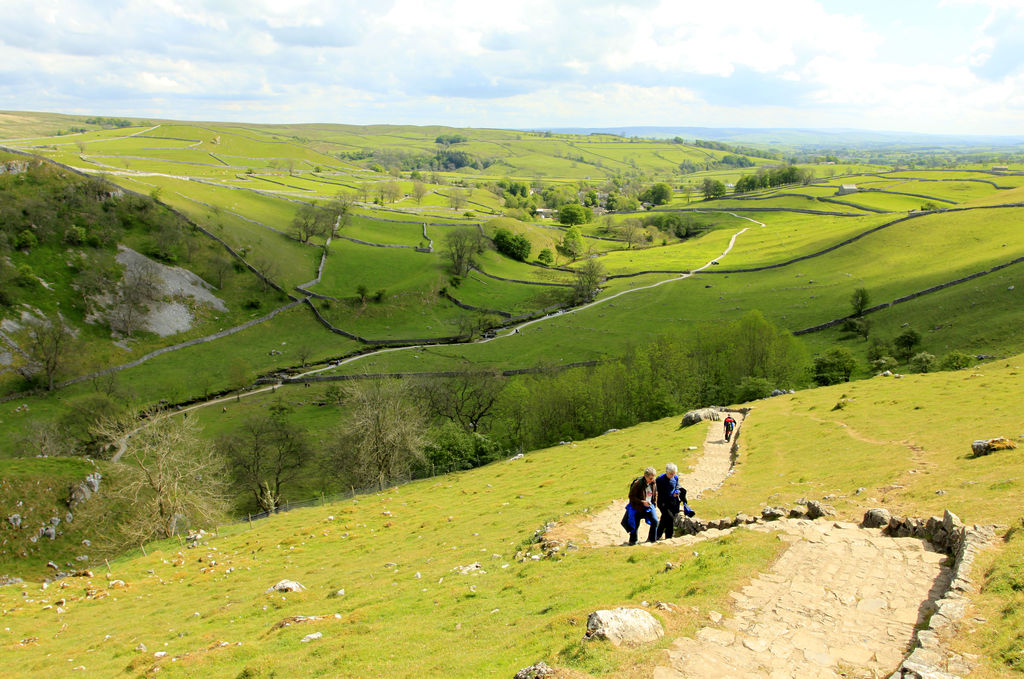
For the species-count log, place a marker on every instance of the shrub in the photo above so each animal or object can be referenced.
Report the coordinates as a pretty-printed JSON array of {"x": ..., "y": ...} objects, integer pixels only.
[
  {"x": 923, "y": 362},
  {"x": 834, "y": 367},
  {"x": 513, "y": 245},
  {"x": 883, "y": 363},
  {"x": 26, "y": 240},
  {"x": 753, "y": 388},
  {"x": 26, "y": 278},
  {"x": 956, "y": 360},
  {"x": 253, "y": 303},
  {"x": 74, "y": 235}
]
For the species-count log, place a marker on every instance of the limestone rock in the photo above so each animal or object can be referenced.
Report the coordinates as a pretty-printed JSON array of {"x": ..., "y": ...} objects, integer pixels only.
[
  {"x": 311, "y": 637},
  {"x": 773, "y": 513},
  {"x": 988, "y": 446},
  {"x": 624, "y": 626},
  {"x": 876, "y": 518},
  {"x": 14, "y": 520},
  {"x": 541, "y": 669},
  {"x": 537, "y": 671},
  {"x": 951, "y": 521},
  {"x": 694, "y": 416},
  {"x": 286, "y": 586},
  {"x": 816, "y": 510}
]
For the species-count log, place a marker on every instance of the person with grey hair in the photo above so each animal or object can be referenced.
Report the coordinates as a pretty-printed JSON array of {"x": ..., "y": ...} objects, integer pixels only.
[
  {"x": 670, "y": 495},
  {"x": 643, "y": 500}
]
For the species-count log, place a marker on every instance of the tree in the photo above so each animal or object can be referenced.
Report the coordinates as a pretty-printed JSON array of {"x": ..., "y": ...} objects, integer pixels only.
[
  {"x": 138, "y": 288},
  {"x": 835, "y": 367},
  {"x": 514, "y": 245},
  {"x": 383, "y": 436},
  {"x": 632, "y": 232},
  {"x": 546, "y": 257},
  {"x": 859, "y": 301},
  {"x": 461, "y": 246},
  {"x": 466, "y": 399},
  {"x": 265, "y": 454},
  {"x": 906, "y": 342},
  {"x": 956, "y": 360},
  {"x": 713, "y": 188},
  {"x": 574, "y": 213},
  {"x": 588, "y": 279},
  {"x": 572, "y": 245},
  {"x": 419, "y": 189},
  {"x": 391, "y": 191},
  {"x": 267, "y": 267},
  {"x": 457, "y": 198},
  {"x": 659, "y": 194},
  {"x": 311, "y": 220},
  {"x": 172, "y": 478},
  {"x": 923, "y": 362},
  {"x": 48, "y": 344},
  {"x": 341, "y": 208}
]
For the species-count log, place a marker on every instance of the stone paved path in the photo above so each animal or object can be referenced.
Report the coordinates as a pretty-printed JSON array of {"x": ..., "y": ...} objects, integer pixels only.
[
  {"x": 709, "y": 472},
  {"x": 842, "y": 601}
]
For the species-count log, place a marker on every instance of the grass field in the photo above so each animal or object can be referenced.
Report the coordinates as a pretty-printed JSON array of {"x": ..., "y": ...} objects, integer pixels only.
[{"x": 394, "y": 553}]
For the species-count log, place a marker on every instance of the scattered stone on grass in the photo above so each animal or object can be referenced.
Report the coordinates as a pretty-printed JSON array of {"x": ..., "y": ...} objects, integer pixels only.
[
  {"x": 286, "y": 586},
  {"x": 624, "y": 626}
]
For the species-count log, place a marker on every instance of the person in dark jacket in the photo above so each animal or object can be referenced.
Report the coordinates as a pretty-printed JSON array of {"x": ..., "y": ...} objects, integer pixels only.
[
  {"x": 670, "y": 496},
  {"x": 643, "y": 500}
]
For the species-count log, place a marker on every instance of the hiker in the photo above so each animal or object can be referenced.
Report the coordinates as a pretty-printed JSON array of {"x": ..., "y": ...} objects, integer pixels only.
[
  {"x": 670, "y": 496},
  {"x": 643, "y": 500},
  {"x": 730, "y": 424}
]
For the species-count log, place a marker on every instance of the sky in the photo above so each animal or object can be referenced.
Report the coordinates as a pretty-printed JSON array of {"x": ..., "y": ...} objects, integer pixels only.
[{"x": 947, "y": 66}]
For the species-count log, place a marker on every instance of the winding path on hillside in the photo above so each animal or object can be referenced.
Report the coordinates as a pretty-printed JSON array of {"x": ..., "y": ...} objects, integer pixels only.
[
  {"x": 708, "y": 473},
  {"x": 842, "y": 601}
]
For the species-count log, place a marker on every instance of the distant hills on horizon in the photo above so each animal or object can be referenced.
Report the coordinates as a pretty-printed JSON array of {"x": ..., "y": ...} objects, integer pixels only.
[{"x": 825, "y": 138}]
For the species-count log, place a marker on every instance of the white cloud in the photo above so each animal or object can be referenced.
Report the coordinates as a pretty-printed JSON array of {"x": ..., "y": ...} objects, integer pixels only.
[{"x": 532, "y": 63}]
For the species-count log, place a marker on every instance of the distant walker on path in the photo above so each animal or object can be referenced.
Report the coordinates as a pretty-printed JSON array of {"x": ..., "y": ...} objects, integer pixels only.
[{"x": 730, "y": 424}]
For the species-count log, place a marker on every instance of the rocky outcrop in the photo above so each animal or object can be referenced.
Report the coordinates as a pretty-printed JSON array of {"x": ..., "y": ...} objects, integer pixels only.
[
  {"x": 989, "y": 446},
  {"x": 694, "y": 416},
  {"x": 538, "y": 671},
  {"x": 286, "y": 586},
  {"x": 624, "y": 626}
]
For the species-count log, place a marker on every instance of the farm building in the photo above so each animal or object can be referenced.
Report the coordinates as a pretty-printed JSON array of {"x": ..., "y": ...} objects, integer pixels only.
[{"x": 845, "y": 189}]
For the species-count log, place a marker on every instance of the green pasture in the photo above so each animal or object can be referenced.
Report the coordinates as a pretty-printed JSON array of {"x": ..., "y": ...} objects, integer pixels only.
[
  {"x": 515, "y": 298},
  {"x": 293, "y": 263},
  {"x": 415, "y": 313},
  {"x": 499, "y": 265},
  {"x": 374, "y": 231},
  {"x": 394, "y": 269},
  {"x": 796, "y": 296},
  {"x": 979, "y": 317}
]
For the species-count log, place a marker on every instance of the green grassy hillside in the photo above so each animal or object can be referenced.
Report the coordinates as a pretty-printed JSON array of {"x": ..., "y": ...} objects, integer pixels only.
[{"x": 395, "y": 554}]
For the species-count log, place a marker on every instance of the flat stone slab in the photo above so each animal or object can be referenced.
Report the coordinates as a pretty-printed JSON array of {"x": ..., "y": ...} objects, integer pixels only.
[{"x": 841, "y": 601}]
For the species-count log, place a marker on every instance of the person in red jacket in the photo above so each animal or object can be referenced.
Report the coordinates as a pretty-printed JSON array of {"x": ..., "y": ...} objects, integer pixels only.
[{"x": 730, "y": 424}]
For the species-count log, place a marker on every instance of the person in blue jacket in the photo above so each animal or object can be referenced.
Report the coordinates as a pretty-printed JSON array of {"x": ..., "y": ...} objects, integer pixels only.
[
  {"x": 670, "y": 497},
  {"x": 643, "y": 501}
]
